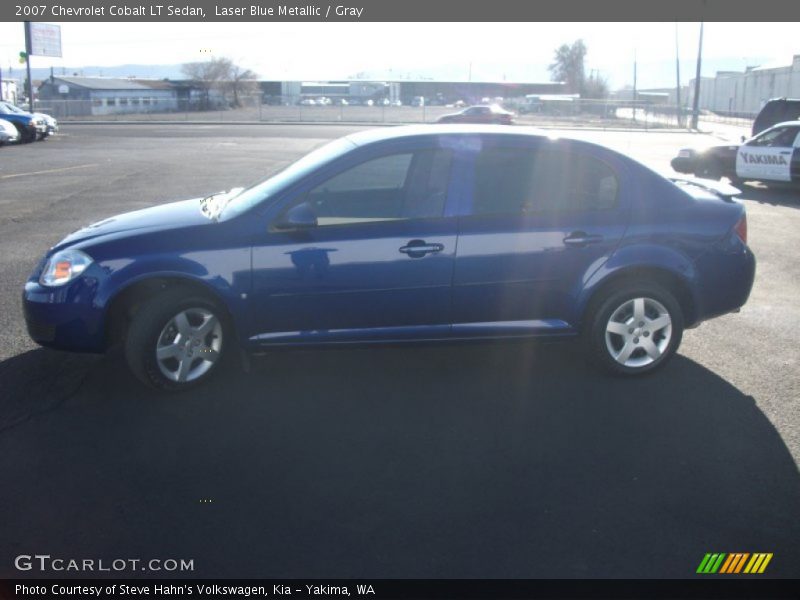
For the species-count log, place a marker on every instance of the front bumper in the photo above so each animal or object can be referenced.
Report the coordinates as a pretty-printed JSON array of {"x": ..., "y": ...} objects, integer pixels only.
[
  {"x": 64, "y": 317},
  {"x": 683, "y": 164}
]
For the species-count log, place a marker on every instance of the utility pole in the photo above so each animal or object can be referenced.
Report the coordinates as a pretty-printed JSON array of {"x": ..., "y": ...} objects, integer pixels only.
[
  {"x": 679, "y": 112},
  {"x": 634, "y": 84},
  {"x": 696, "y": 104},
  {"x": 28, "y": 49}
]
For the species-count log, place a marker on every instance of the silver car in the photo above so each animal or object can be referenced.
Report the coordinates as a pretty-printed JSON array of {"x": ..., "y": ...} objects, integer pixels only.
[{"x": 8, "y": 133}]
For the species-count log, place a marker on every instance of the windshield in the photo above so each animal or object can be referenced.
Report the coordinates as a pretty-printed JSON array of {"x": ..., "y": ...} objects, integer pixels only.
[
  {"x": 10, "y": 108},
  {"x": 287, "y": 176}
]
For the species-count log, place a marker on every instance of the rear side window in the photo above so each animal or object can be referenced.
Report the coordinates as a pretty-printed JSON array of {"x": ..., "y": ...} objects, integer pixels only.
[
  {"x": 774, "y": 112},
  {"x": 791, "y": 111},
  {"x": 514, "y": 180}
]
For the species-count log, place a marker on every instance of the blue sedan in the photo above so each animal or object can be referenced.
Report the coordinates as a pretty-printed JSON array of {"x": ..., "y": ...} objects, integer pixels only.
[{"x": 429, "y": 233}]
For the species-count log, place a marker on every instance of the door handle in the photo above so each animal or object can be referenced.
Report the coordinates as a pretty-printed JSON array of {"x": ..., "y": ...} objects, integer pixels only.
[
  {"x": 419, "y": 248},
  {"x": 786, "y": 152},
  {"x": 581, "y": 238}
]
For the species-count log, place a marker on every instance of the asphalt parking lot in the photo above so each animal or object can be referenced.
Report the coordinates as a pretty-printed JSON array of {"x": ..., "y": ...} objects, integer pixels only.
[{"x": 476, "y": 461}]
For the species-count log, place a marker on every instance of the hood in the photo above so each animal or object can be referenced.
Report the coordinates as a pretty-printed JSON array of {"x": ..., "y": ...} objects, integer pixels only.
[
  {"x": 44, "y": 117},
  {"x": 174, "y": 215},
  {"x": 715, "y": 150}
]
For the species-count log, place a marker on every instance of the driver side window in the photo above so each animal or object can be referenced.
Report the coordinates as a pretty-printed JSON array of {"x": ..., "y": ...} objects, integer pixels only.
[{"x": 408, "y": 185}]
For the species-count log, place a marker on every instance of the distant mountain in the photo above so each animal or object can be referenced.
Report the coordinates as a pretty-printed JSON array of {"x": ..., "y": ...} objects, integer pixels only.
[
  {"x": 137, "y": 71},
  {"x": 649, "y": 75},
  {"x": 510, "y": 72}
]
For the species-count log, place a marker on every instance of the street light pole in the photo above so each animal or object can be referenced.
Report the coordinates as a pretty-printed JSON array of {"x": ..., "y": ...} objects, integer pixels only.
[
  {"x": 696, "y": 104},
  {"x": 28, "y": 47},
  {"x": 678, "y": 79},
  {"x": 634, "y": 84}
]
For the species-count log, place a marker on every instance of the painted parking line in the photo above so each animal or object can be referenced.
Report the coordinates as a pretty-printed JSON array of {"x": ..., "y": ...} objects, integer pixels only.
[{"x": 61, "y": 170}]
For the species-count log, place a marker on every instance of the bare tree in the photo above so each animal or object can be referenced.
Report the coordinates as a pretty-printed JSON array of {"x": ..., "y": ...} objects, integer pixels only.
[
  {"x": 207, "y": 75},
  {"x": 240, "y": 81},
  {"x": 595, "y": 86},
  {"x": 224, "y": 76}
]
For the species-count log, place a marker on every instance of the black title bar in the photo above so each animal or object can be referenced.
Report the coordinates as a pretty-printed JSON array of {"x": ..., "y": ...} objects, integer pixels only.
[
  {"x": 400, "y": 10},
  {"x": 705, "y": 588}
]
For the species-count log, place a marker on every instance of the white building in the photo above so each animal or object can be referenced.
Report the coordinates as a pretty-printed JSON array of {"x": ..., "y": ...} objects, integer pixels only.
[
  {"x": 9, "y": 91},
  {"x": 745, "y": 93}
]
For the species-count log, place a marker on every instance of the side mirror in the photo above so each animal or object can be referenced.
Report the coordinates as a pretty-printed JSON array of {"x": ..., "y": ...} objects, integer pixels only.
[
  {"x": 743, "y": 139},
  {"x": 301, "y": 216}
]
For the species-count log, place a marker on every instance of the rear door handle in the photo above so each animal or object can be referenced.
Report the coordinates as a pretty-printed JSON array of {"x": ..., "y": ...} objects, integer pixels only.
[
  {"x": 581, "y": 238},
  {"x": 419, "y": 248}
]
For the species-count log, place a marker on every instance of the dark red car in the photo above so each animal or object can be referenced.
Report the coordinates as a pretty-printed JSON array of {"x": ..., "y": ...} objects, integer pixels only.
[{"x": 480, "y": 114}]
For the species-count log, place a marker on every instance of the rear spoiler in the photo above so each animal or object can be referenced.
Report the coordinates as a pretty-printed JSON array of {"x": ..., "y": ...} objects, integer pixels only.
[{"x": 723, "y": 190}]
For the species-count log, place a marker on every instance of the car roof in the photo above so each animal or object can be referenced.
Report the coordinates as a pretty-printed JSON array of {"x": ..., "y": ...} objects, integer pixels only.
[
  {"x": 362, "y": 138},
  {"x": 786, "y": 124}
]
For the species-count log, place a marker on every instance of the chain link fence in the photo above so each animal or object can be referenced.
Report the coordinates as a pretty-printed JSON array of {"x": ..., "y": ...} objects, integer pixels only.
[{"x": 277, "y": 109}]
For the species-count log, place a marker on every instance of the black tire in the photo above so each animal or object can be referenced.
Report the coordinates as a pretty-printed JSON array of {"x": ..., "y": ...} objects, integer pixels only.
[
  {"x": 736, "y": 182},
  {"x": 26, "y": 136},
  {"x": 148, "y": 329},
  {"x": 616, "y": 303},
  {"x": 710, "y": 170}
]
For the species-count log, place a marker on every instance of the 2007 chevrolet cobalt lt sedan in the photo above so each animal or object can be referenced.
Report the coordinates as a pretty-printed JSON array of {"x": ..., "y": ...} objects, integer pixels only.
[{"x": 404, "y": 234}]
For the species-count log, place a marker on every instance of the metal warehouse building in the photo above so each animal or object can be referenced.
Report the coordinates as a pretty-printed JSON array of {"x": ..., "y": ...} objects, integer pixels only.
[
  {"x": 75, "y": 96},
  {"x": 744, "y": 93}
]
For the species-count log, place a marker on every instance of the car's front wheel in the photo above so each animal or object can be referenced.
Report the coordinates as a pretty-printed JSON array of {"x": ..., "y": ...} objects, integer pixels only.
[
  {"x": 709, "y": 169},
  {"x": 177, "y": 340},
  {"x": 26, "y": 136},
  {"x": 635, "y": 330}
]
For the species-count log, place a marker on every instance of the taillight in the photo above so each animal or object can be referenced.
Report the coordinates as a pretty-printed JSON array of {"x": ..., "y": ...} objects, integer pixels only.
[{"x": 741, "y": 228}]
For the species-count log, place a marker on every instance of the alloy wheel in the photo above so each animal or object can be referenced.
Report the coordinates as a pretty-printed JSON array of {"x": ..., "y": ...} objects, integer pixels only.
[
  {"x": 638, "y": 332},
  {"x": 189, "y": 345}
]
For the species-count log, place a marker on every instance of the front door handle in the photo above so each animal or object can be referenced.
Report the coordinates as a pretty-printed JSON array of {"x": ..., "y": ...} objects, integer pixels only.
[
  {"x": 581, "y": 238},
  {"x": 419, "y": 248}
]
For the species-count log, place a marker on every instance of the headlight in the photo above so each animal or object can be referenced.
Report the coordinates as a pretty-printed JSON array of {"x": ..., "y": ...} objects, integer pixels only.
[
  {"x": 64, "y": 266},
  {"x": 685, "y": 153}
]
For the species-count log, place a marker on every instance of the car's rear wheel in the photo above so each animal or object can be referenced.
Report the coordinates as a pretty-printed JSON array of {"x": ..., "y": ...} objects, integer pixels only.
[
  {"x": 635, "y": 330},
  {"x": 177, "y": 340}
]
